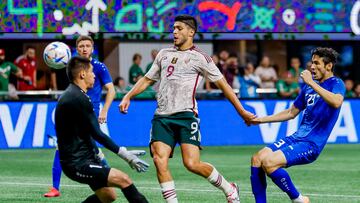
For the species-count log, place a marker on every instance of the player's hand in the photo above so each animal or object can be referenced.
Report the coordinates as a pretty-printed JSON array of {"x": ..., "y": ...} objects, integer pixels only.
[
  {"x": 137, "y": 152},
  {"x": 139, "y": 165},
  {"x": 124, "y": 105},
  {"x": 247, "y": 116},
  {"x": 102, "y": 117},
  {"x": 307, "y": 77},
  {"x": 133, "y": 159},
  {"x": 255, "y": 121}
]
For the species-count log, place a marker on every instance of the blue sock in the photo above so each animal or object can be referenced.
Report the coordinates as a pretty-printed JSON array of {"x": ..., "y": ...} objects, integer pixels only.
[
  {"x": 282, "y": 179},
  {"x": 104, "y": 162},
  {"x": 258, "y": 184},
  {"x": 56, "y": 171}
]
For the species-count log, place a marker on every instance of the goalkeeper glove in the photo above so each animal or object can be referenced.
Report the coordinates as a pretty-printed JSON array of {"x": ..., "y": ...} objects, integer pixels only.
[{"x": 131, "y": 158}]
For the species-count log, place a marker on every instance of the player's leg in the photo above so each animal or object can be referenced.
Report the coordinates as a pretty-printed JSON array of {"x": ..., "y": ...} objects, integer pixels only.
[
  {"x": 189, "y": 139},
  {"x": 258, "y": 177},
  {"x": 100, "y": 179},
  {"x": 108, "y": 194},
  {"x": 272, "y": 166},
  {"x": 290, "y": 153},
  {"x": 161, "y": 153},
  {"x": 191, "y": 160},
  {"x": 56, "y": 177},
  {"x": 161, "y": 148},
  {"x": 121, "y": 180}
]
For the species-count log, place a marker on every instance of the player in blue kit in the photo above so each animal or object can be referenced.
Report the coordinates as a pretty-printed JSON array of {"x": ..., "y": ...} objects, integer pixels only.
[
  {"x": 321, "y": 101},
  {"x": 85, "y": 47}
]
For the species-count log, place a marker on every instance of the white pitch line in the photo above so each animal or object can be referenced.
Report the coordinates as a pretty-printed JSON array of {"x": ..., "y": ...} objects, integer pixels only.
[{"x": 184, "y": 189}]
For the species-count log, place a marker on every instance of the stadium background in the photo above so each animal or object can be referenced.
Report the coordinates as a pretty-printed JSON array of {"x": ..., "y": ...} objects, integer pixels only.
[{"x": 251, "y": 29}]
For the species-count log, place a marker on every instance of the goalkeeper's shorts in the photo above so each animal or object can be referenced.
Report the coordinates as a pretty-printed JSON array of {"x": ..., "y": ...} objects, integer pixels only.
[{"x": 94, "y": 174}]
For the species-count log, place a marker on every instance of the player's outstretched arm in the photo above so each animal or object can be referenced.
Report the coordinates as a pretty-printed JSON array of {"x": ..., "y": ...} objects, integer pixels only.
[
  {"x": 110, "y": 94},
  {"x": 334, "y": 100},
  {"x": 285, "y": 115},
  {"x": 139, "y": 87},
  {"x": 230, "y": 95},
  {"x": 130, "y": 157}
]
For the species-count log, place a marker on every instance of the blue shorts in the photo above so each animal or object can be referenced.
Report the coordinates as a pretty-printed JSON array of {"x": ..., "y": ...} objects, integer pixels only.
[{"x": 296, "y": 152}]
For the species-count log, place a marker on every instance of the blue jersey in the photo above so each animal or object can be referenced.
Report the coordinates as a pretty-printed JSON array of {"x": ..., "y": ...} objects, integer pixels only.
[
  {"x": 319, "y": 118},
  {"x": 102, "y": 77}
]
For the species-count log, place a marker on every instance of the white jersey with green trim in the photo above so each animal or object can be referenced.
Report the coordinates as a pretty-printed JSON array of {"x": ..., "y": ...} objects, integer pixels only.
[{"x": 179, "y": 73}]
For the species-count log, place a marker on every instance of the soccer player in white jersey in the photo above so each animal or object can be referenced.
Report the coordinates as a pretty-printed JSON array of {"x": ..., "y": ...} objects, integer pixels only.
[{"x": 179, "y": 71}]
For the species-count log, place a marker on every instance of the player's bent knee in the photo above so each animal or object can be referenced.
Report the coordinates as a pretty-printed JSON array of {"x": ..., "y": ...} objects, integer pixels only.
[
  {"x": 113, "y": 197},
  {"x": 256, "y": 160},
  {"x": 106, "y": 194},
  {"x": 110, "y": 197},
  {"x": 119, "y": 179},
  {"x": 191, "y": 165},
  {"x": 269, "y": 164},
  {"x": 161, "y": 163},
  {"x": 258, "y": 157},
  {"x": 123, "y": 179}
]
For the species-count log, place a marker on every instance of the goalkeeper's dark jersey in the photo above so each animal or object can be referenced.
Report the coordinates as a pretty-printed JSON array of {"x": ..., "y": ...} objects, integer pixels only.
[{"x": 76, "y": 128}]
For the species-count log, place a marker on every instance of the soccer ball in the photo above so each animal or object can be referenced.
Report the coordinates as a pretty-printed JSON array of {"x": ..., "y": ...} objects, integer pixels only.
[{"x": 57, "y": 55}]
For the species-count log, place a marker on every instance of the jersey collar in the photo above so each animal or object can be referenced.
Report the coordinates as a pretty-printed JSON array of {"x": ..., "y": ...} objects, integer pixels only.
[{"x": 191, "y": 48}]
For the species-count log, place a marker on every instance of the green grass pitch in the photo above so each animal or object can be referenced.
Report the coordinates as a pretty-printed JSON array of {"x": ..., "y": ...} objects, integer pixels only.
[{"x": 335, "y": 177}]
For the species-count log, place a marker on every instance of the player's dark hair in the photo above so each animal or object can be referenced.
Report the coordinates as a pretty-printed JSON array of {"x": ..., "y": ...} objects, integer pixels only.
[
  {"x": 136, "y": 55},
  {"x": 29, "y": 47},
  {"x": 188, "y": 20},
  {"x": 328, "y": 55},
  {"x": 75, "y": 65},
  {"x": 83, "y": 38}
]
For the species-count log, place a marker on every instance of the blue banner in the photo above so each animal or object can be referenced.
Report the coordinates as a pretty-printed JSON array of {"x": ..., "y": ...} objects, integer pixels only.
[{"x": 27, "y": 124}]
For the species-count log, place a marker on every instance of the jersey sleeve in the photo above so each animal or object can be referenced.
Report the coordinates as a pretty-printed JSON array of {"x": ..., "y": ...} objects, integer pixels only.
[
  {"x": 300, "y": 102},
  {"x": 210, "y": 70},
  {"x": 105, "y": 75},
  {"x": 339, "y": 88},
  {"x": 154, "y": 71},
  {"x": 13, "y": 68},
  {"x": 94, "y": 127}
]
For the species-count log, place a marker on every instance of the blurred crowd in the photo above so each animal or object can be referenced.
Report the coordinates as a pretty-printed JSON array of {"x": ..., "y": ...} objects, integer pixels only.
[
  {"x": 265, "y": 80},
  {"x": 262, "y": 80}
]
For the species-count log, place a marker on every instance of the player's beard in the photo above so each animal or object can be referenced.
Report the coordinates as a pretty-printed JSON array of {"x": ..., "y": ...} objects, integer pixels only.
[{"x": 179, "y": 42}]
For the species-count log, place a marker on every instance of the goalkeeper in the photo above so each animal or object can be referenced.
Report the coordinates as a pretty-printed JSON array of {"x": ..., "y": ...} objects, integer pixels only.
[
  {"x": 85, "y": 48},
  {"x": 77, "y": 130}
]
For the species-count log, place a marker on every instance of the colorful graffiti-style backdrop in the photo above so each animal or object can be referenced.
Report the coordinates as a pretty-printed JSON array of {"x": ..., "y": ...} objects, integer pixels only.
[{"x": 84, "y": 16}]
